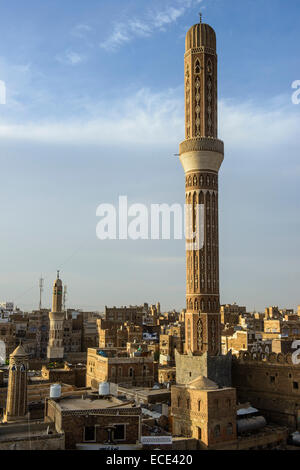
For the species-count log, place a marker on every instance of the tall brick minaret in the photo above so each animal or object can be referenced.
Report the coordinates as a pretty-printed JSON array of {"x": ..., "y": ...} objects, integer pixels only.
[
  {"x": 55, "y": 350},
  {"x": 16, "y": 403},
  {"x": 201, "y": 155}
]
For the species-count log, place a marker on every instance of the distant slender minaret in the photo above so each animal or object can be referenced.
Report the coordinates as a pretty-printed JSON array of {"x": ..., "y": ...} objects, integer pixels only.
[
  {"x": 55, "y": 349},
  {"x": 16, "y": 403},
  {"x": 201, "y": 155}
]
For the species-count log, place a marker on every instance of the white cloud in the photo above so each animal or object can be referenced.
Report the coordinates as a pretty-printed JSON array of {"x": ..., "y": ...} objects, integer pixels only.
[
  {"x": 250, "y": 125},
  {"x": 123, "y": 32},
  {"x": 70, "y": 58},
  {"x": 157, "y": 120},
  {"x": 81, "y": 30}
]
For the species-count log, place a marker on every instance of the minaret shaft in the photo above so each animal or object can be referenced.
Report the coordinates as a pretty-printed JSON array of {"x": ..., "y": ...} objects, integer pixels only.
[
  {"x": 201, "y": 154},
  {"x": 55, "y": 350},
  {"x": 16, "y": 403}
]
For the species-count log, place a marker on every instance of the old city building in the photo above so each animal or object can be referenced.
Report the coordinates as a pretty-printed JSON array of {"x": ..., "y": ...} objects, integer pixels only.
[
  {"x": 204, "y": 411},
  {"x": 272, "y": 383},
  {"x": 230, "y": 314},
  {"x": 92, "y": 422},
  {"x": 118, "y": 367},
  {"x": 132, "y": 314},
  {"x": 8, "y": 335},
  {"x": 168, "y": 345},
  {"x": 117, "y": 334},
  {"x": 236, "y": 339}
]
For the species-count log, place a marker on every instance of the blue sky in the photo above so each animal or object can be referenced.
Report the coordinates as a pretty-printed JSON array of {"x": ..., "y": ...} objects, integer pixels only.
[{"x": 95, "y": 110}]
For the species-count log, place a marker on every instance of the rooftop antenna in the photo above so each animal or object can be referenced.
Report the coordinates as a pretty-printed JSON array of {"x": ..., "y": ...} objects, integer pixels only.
[{"x": 41, "y": 286}]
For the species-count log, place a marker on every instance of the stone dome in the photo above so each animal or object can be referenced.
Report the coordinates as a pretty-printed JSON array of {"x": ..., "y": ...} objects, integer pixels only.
[
  {"x": 202, "y": 383},
  {"x": 19, "y": 351},
  {"x": 200, "y": 34},
  {"x": 57, "y": 283}
]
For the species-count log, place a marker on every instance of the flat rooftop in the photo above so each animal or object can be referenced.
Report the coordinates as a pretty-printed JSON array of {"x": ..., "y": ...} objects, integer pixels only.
[
  {"x": 18, "y": 431},
  {"x": 144, "y": 391},
  {"x": 91, "y": 403}
]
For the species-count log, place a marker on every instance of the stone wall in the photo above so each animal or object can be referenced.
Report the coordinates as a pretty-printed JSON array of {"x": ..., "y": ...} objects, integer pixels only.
[
  {"x": 271, "y": 383},
  {"x": 72, "y": 423},
  {"x": 216, "y": 368}
]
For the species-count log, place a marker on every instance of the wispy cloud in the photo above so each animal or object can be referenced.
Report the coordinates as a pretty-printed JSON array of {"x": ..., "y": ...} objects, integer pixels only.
[
  {"x": 81, "y": 30},
  {"x": 124, "y": 32},
  {"x": 70, "y": 58},
  {"x": 157, "y": 120}
]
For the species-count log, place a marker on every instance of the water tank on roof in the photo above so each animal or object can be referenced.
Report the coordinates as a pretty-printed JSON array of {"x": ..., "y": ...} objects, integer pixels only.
[
  {"x": 294, "y": 439},
  {"x": 55, "y": 391},
  {"x": 103, "y": 388},
  {"x": 251, "y": 424},
  {"x": 102, "y": 353}
]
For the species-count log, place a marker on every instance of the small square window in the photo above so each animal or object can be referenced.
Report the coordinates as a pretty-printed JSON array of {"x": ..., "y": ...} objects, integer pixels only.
[
  {"x": 89, "y": 434},
  {"x": 295, "y": 385},
  {"x": 119, "y": 432}
]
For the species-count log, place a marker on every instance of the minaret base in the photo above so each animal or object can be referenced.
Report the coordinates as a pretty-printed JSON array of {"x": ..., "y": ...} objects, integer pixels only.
[
  {"x": 215, "y": 368},
  {"x": 55, "y": 354},
  {"x": 15, "y": 419}
]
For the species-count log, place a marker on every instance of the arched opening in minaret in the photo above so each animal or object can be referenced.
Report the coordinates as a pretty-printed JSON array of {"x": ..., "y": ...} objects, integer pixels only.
[{"x": 197, "y": 66}]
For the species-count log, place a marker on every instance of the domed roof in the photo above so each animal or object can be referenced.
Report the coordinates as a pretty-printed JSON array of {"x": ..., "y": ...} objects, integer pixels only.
[
  {"x": 58, "y": 281},
  {"x": 19, "y": 351},
  {"x": 200, "y": 34},
  {"x": 202, "y": 383}
]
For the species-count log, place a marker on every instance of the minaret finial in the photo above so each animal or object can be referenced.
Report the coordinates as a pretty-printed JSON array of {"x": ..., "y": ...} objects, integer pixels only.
[
  {"x": 200, "y": 15},
  {"x": 58, "y": 274}
]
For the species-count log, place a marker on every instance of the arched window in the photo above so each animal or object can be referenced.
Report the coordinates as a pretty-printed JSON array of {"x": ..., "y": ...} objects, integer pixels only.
[
  {"x": 197, "y": 66},
  {"x": 217, "y": 431},
  {"x": 131, "y": 372},
  {"x": 189, "y": 333},
  {"x": 209, "y": 67},
  {"x": 178, "y": 402},
  {"x": 229, "y": 429},
  {"x": 199, "y": 405},
  {"x": 188, "y": 403}
]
